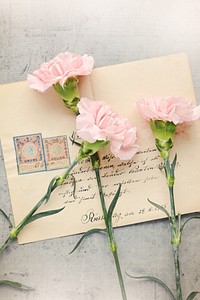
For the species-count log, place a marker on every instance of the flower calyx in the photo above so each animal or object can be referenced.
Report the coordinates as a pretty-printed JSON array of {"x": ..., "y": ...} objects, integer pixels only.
[
  {"x": 164, "y": 132},
  {"x": 89, "y": 149},
  {"x": 69, "y": 93}
]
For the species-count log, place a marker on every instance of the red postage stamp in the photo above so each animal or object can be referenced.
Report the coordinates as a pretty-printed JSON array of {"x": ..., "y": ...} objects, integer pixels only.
[
  {"x": 29, "y": 153},
  {"x": 56, "y": 152}
]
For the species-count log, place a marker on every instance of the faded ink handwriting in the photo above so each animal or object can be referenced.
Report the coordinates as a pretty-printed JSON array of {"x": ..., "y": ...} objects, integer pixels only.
[{"x": 135, "y": 176}]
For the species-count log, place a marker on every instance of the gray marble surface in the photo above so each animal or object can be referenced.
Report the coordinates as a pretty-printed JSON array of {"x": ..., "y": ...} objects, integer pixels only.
[{"x": 113, "y": 32}]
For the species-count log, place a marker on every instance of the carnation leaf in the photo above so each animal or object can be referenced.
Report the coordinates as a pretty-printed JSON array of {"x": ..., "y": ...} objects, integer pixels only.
[
  {"x": 86, "y": 234},
  {"x": 152, "y": 278},
  {"x": 5, "y": 244},
  {"x": 194, "y": 217},
  {"x": 44, "y": 214},
  {"x": 173, "y": 165},
  {"x": 15, "y": 284},
  {"x": 112, "y": 205},
  {"x": 160, "y": 207},
  {"x": 192, "y": 295},
  {"x": 6, "y": 217},
  {"x": 51, "y": 187},
  {"x": 167, "y": 167}
]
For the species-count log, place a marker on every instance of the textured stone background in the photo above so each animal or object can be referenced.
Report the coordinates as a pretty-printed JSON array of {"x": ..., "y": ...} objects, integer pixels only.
[{"x": 113, "y": 32}]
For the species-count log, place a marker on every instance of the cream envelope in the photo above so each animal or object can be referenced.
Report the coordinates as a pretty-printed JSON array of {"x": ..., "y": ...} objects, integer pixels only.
[{"x": 35, "y": 130}]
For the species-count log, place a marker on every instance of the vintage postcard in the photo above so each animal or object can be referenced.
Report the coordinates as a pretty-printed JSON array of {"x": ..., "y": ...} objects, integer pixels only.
[{"x": 141, "y": 177}]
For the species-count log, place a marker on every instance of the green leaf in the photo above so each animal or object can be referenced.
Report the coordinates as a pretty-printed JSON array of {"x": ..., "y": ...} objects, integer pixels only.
[
  {"x": 112, "y": 205},
  {"x": 86, "y": 234},
  {"x": 44, "y": 214},
  {"x": 160, "y": 207},
  {"x": 15, "y": 284},
  {"x": 152, "y": 278},
  {"x": 192, "y": 295},
  {"x": 51, "y": 187},
  {"x": 195, "y": 217},
  {"x": 167, "y": 167},
  {"x": 6, "y": 217},
  {"x": 173, "y": 165},
  {"x": 172, "y": 168},
  {"x": 5, "y": 244}
]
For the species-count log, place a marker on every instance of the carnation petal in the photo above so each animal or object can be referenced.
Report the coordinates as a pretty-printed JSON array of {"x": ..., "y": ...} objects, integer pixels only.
[
  {"x": 59, "y": 69},
  {"x": 196, "y": 113},
  {"x": 96, "y": 121},
  {"x": 172, "y": 109}
]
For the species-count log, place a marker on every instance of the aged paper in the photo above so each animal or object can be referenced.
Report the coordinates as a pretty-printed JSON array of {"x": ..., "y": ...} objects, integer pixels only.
[{"x": 35, "y": 130}]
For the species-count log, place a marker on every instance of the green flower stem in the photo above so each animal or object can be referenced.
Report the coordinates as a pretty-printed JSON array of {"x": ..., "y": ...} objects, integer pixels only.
[
  {"x": 112, "y": 244},
  {"x": 121, "y": 282},
  {"x": 101, "y": 195},
  {"x": 55, "y": 182},
  {"x": 172, "y": 205},
  {"x": 175, "y": 227},
  {"x": 62, "y": 178},
  {"x": 177, "y": 271},
  {"x": 16, "y": 230},
  {"x": 5, "y": 244}
]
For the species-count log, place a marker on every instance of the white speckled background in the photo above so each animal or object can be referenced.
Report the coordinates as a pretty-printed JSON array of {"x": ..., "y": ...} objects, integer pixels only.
[{"x": 113, "y": 32}]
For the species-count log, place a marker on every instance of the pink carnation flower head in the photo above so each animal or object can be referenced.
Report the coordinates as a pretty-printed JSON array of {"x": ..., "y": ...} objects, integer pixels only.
[
  {"x": 172, "y": 109},
  {"x": 164, "y": 115},
  {"x": 59, "y": 69},
  {"x": 94, "y": 120},
  {"x": 123, "y": 140},
  {"x": 97, "y": 122}
]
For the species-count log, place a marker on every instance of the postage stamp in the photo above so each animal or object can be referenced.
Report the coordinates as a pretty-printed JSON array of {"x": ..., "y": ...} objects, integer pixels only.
[
  {"x": 29, "y": 153},
  {"x": 56, "y": 152}
]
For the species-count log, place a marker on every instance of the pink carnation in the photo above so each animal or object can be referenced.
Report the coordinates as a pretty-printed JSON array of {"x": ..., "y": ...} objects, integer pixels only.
[
  {"x": 172, "y": 109},
  {"x": 59, "y": 69},
  {"x": 97, "y": 121},
  {"x": 94, "y": 120},
  {"x": 123, "y": 140}
]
